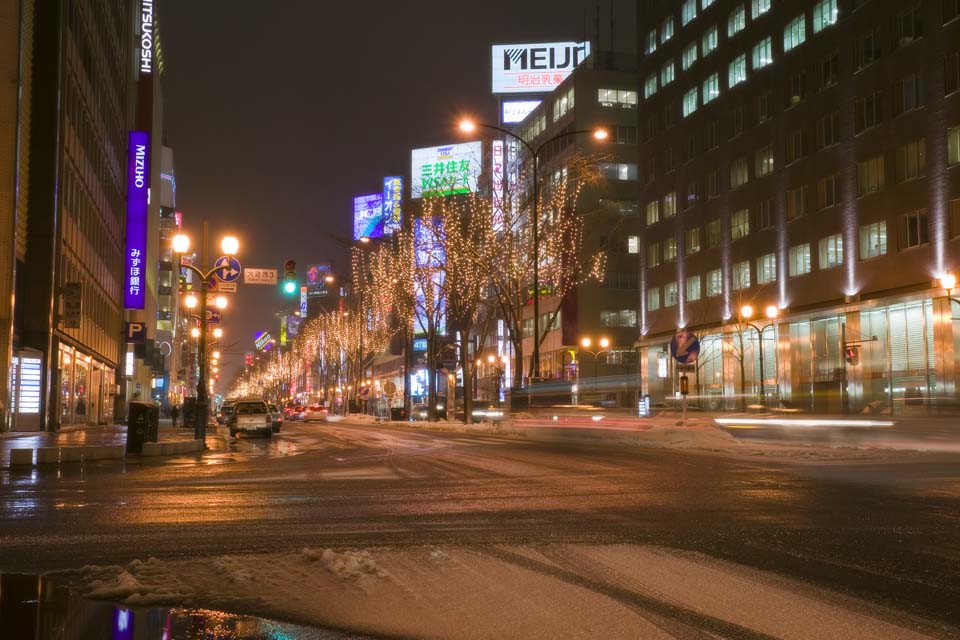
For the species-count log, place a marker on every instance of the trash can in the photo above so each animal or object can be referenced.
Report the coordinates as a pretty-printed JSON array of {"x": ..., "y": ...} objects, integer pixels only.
[
  {"x": 139, "y": 419},
  {"x": 153, "y": 426},
  {"x": 396, "y": 414}
]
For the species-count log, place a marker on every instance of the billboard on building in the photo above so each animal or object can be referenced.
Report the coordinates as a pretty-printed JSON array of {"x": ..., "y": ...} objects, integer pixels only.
[
  {"x": 138, "y": 186},
  {"x": 368, "y": 216},
  {"x": 497, "y": 167},
  {"x": 446, "y": 171},
  {"x": 429, "y": 261},
  {"x": 392, "y": 204},
  {"x": 535, "y": 68},
  {"x": 514, "y": 111}
]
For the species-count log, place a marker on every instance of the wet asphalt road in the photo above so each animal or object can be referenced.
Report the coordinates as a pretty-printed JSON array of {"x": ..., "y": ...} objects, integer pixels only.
[{"x": 888, "y": 531}]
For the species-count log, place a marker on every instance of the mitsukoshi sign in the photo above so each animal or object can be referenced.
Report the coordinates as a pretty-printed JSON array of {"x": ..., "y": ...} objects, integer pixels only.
[
  {"x": 138, "y": 187},
  {"x": 535, "y": 68}
]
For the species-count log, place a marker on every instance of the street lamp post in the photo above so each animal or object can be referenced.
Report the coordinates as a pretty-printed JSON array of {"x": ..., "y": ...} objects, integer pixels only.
[
  {"x": 468, "y": 126},
  {"x": 949, "y": 281},
  {"x": 746, "y": 312},
  {"x": 585, "y": 344},
  {"x": 181, "y": 244}
]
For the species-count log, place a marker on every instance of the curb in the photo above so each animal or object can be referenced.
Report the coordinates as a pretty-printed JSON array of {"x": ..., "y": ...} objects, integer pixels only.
[{"x": 52, "y": 456}]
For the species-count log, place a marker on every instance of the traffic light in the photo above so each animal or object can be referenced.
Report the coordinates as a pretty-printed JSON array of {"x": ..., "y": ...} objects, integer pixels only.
[
  {"x": 851, "y": 355},
  {"x": 290, "y": 285}
]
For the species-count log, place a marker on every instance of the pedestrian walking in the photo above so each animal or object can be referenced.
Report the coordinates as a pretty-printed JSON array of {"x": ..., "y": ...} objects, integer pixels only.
[{"x": 174, "y": 414}]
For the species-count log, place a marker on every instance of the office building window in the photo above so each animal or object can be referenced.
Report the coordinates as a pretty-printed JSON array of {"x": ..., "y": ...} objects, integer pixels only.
[
  {"x": 713, "y": 186},
  {"x": 618, "y": 170},
  {"x": 831, "y": 251},
  {"x": 907, "y": 94},
  {"x": 736, "y": 121},
  {"x": 706, "y": 3},
  {"x": 951, "y": 72},
  {"x": 794, "y": 149},
  {"x": 714, "y": 283},
  {"x": 914, "y": 229},
  {"x": 828, "y": 191},
  {"x": 953, "y": 212},
  {"x": 670, "y": 205},
  {"x": 622, "y": 207},
  {"x": 619, "y": 318},
  {"x": 651, "y": 41},
  {"x": 739, "y": 173},
  {"x": 759, "y": 7},
  {"x": 911, "y": 160},
  {"x": 653, "y": 212},
  {"x": 690, "y": 99},
  {"x": 795, "y": 33},
  {"x": 691, "y": 241},
  {"x": 829, "y": 70},
  {"x": 740, "y": 275},
  {"x": 711, "y": 136},
  {"x": 670, "y": 249},
  {"x": 800, "y": 260},
  {"x": 909, "y": 25},
  {"x": 625, "y": 134},
  {"x": 737, "y": 21},
  {"x": 866, "y": 49},
  {"x": 870, "y": 175},
  {"x": 666, "y": 73},
  {"x": 690, "y": 149},
  {"x": 668, "y": 163},
  {"x": 709, "y": 41},
  {"x": 670, "y": 297},
  {"x": 873, "y": 240},
  {"x": 653, "y": 299},
  {"x": 689, "y": 56},
  {"x": 653, "y": 255},
  {"x": 650, "y": 171},
  {"x": 563, "y": 104},
  {"x": 633, "y": 244},
  {"x": 767, "y": 268},
  {"x": 737, "y": 71},
  {"x": 796, "y": 202},
  {"x": 617, "y": 97},
  {"x": 762, "y": 53},
  {"x": 712, "y": 233},
  {"x": 796, "y": 89},
  {"x": 651, "y": 126},
  {"x": 693, "y": 193},
  {"x": 688, "y": 11},
  {"x": 953, "y": 145},
  {"x": 764, "y": 161},
  {"x": 740, "y": 224},
  {"x": 824, "y": 15},
  {"x": 951, "y": 9},
  {"x": 650, "y": 85},
  {"x": 765, "y": 214},
  {"x": 670, "y": 115},
  {"x": 867, "y": 112},
  {"x": 828, "y": 130},
  {"x": 693, "y": 288},
  {"x": 666, "y": 29},
  {"x": 763, "y": 107}
]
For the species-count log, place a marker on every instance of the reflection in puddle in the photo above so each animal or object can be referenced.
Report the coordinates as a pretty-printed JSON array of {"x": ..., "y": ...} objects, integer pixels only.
[{"x": 38, "y": 608}]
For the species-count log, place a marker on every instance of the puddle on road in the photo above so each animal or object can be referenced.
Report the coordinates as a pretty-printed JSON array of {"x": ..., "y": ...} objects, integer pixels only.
[{"x": 38, "y": 608}]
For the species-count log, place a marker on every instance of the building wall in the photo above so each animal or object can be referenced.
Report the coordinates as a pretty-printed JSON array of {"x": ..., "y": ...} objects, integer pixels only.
[{"x": 816, "y": 187}]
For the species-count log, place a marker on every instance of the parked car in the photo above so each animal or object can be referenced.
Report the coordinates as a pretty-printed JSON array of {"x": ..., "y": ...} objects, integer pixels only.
[
  {"x": 250, "y": 416},
  {"x": 420, "y": 412},
  {"x": 277, "y": 416},
  {"x": 315, "y": 412},
  {"x": 224, "y": 411}
]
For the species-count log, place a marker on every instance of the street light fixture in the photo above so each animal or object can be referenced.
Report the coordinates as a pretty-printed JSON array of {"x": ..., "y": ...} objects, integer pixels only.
[
  {"x": 218, "y": 333},
  {"x": 195, "y": 332},
  {"x": 221, "y": 302},
  {"x": 586, "y": 343},
  {"x": 600, "y": 134},
  {"x": 230, "y": 245},
  {"x": 746, "y": 311},
  {"x": 190, "y": 302},
  {"x": 216, "y": 355}
]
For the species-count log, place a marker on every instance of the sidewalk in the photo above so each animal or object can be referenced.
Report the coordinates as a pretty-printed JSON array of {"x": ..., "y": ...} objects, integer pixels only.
[{"x": 112, "y": 435}]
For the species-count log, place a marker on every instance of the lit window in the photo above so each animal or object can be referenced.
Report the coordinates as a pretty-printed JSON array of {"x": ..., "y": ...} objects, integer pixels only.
[
  {"x": 689, "y": 55},
  {"x": 670, "y": 205},
  {"x": 764, "y": 161},
  {"x": 739, "y": 173},
  {"x": 759, "y": 7},
  {"x": 870, "y": 175},
  {"x": 620, "y": 97},
  {"x": 563, "y": 104},
  {"x": 953, "y": 145},
  {"x": 618, "y": 170},
  {"x": 693, "y": 288},
  {"x": 831, "y": 251},
  {"x": 633, "y": 244},
  {"x": 666, "y": 29},
  {"x": 621, "y": 318},
  {"x": 824, "y": 15},
  {"x": 666, "y": 73},
  {"x": 651, "y": 41},
  {"x": 691, "y": 241},
  {"x": 739, "y": 224},
  {"x": 737, "y": 71},
  {"x": 763, "y": 53},
  {"x": 914, "y": 229},
  {"x": 706, "y": 3},
  {"x": 767, "y": 268},
  {"x": 713, "y": 233},
  {"x": 650, "y": 85},
  {"x": 653, "y": 212},
  {"x": 737, "y": 21},
  {"x": 709, "y": 41},
  {"x": 653, "y": 255},
  {"x": 795, "y": 33},
  {"x": 669, "y": 249},
  {"x": 711, "y": 88},
  {"x": 873, "y": 240},
  {"x": 740, "y": 275},
  {"x": 714, "y": 283},
  {"x": 670, "y": 297},
  {"x": 653, "y": 299},
  {"x": 911, "y": 160},
  {"x": 800, "y": 259},
  {"x": 688, "y": 12},
  {"x": 690, "y": 99}
]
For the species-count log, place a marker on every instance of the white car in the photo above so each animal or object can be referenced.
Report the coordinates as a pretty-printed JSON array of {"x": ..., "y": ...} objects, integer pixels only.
[
  {"x": 250, "y": 416},
  {"x": 315, "y": 412}
]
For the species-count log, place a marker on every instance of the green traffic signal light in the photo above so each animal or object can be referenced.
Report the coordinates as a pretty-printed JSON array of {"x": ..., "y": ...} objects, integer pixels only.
[{"x": 289, "y": 287}]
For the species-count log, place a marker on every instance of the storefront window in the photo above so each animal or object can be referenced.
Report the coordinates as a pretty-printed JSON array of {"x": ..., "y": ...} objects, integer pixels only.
[{"x": 66, "y": 386}]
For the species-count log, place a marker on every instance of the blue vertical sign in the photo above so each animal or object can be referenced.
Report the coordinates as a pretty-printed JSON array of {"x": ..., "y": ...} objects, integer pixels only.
[{"x": 138, "y": 185}]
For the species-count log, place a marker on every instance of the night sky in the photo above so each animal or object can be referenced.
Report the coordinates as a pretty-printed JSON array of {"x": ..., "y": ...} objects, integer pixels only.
[{"x": 279, "y": 112}]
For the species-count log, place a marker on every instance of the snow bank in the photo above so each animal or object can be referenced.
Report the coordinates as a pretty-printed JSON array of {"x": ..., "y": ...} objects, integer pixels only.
[
  {"x": 139, "y": 583},
  {"x": 349, "y": 564}
]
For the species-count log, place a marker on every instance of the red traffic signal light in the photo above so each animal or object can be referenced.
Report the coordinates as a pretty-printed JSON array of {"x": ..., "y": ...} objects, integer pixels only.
[{"x": 851, "y": 355}]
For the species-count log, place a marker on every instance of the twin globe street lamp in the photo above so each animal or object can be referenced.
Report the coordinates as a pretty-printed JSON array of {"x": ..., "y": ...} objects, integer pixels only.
[
  {"x": 746, "y": 312},
  {"x": 181, "y": 245},
  {"x": 469, "y": 126}
]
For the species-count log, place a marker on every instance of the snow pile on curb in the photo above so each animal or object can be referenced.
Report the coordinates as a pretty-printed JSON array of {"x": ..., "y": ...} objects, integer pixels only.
[
  {"x": 349, "y": 564},
  {"x": 139, "y": 583}
]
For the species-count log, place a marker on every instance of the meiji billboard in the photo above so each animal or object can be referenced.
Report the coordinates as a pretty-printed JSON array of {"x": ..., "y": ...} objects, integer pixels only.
[
  {"x": 535, "y": 68},
  {"x": 368, "y": 216},
  {"x": 446, "y": 171}
]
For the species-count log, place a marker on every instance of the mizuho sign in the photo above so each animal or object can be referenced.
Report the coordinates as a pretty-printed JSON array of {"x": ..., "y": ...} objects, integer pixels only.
[{"x": 535, "y": 68}]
